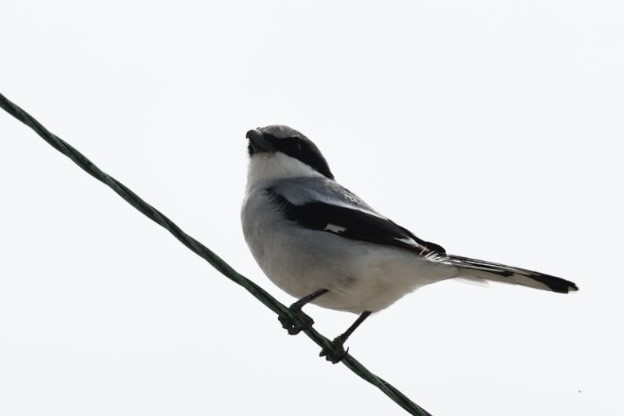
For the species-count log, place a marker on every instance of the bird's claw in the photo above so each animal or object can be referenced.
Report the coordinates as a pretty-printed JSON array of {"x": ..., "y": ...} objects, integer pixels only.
[
  {"x": 336, "y": 353},
  {"x": 300, "y": 323}
]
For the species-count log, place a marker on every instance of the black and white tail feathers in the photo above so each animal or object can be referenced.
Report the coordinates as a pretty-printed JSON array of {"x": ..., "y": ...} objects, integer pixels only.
[{"x": 473, "y": 268}]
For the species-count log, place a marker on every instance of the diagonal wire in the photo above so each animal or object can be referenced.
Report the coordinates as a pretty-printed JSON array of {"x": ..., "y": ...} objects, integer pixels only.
[{"x": 204, "y": 252}]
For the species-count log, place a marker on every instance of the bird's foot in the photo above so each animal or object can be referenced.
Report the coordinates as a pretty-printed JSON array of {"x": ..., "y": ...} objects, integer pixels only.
[
  {"x": 300, "y": 322},
  {"x": 336, "y": 352}
]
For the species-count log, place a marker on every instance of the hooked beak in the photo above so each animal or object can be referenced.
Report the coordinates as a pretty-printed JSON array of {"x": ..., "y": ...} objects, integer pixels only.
[{"x": 258, "y": 142}]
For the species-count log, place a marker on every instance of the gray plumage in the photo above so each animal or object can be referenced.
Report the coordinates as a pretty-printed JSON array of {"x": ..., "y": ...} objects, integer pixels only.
[{"x": 307, "y": 232}]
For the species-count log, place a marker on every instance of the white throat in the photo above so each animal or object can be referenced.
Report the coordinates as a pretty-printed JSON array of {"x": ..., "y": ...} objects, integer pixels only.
[{"x": 269, "y": 167}]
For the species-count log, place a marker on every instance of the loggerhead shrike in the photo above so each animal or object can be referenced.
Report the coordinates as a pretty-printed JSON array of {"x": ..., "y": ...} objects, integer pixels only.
[{"x": 321, "y": 243}]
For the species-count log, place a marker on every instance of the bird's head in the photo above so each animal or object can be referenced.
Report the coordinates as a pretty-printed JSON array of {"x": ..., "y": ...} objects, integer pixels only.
[{"x": 280, "y": 152}]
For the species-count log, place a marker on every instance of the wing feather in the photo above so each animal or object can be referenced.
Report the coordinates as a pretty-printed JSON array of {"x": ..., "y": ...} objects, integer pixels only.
[{"x": 354, "y": 223}]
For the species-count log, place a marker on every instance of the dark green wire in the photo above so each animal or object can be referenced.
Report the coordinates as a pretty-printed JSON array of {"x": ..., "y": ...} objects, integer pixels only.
[{"x": 204, "y": 252}]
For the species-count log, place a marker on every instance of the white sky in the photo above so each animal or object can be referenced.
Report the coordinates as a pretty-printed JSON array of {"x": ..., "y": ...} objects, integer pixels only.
[{"x": 493, "y": 128}]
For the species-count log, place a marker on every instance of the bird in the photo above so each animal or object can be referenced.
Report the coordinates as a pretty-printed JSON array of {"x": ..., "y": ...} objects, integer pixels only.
[{"x": 324, "y": 245}]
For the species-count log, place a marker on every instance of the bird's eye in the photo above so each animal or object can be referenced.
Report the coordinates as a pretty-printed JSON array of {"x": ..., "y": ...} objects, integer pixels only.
[{"x": 294, "y": 145}]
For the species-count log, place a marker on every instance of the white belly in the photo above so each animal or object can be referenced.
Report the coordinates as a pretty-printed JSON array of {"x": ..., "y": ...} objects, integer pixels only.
[{"x": 360, "y": 276}]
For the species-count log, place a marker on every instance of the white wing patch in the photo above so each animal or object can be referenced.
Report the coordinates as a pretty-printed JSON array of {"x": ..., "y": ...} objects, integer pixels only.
[
  {"x": 408, "y": 241},
  {"x": 334, "y": 228},
  {"x": 411, "y": 242}
]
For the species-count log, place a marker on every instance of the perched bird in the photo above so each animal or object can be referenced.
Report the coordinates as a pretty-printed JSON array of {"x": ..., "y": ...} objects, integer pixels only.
[{"x": 321, "y": 243}]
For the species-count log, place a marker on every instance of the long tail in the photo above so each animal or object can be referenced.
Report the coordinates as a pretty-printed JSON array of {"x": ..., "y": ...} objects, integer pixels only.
[{"x": 473, "y": 268}]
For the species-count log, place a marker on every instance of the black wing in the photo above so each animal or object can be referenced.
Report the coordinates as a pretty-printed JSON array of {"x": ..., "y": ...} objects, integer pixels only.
[{"x": 354, "y": 224}]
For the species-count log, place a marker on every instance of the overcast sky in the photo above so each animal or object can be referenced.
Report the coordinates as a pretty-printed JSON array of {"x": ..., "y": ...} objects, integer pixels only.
[{"x": 494, "y": 128}]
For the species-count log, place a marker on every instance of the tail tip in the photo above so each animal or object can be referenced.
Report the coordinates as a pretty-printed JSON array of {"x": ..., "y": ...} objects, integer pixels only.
[{"x": 564, "y": 286}]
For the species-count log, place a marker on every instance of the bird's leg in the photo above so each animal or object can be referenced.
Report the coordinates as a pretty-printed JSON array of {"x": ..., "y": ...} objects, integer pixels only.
[
  {"x": 301, "y": 321},
  {"x": 336, "y": 353}
]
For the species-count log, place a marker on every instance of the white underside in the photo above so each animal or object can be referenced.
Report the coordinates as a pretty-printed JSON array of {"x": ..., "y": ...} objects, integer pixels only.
[{"x": 360, "y": 276}]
